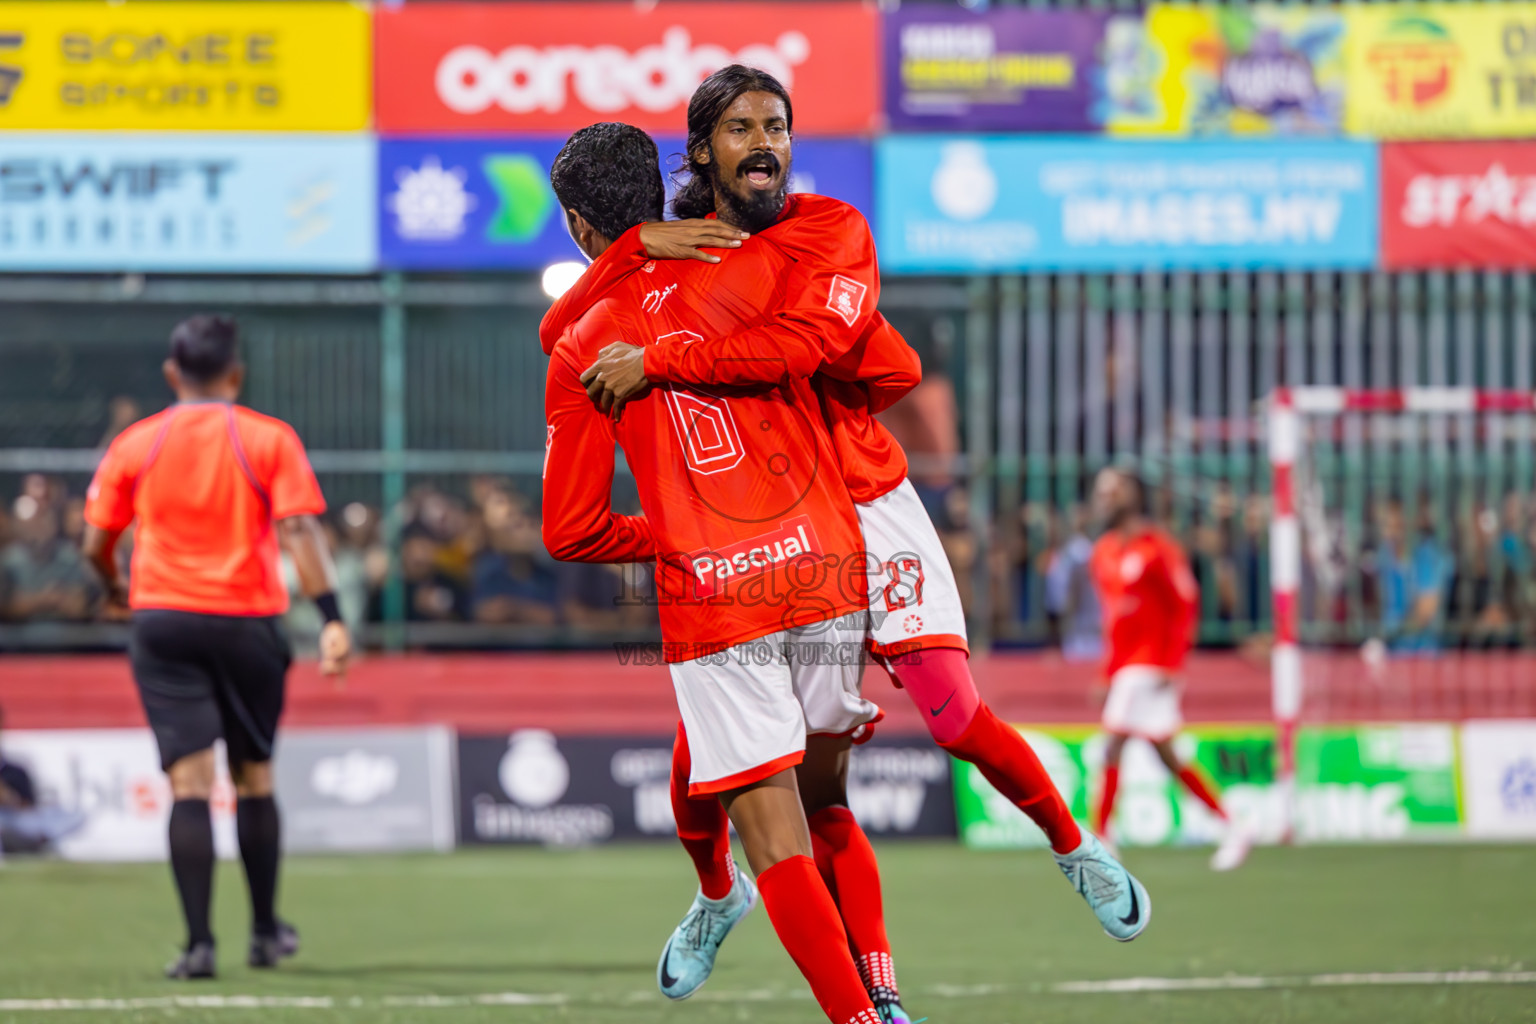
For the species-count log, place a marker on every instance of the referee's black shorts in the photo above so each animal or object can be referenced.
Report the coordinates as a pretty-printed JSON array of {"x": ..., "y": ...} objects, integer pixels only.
[{"x": 206, "y": 677}]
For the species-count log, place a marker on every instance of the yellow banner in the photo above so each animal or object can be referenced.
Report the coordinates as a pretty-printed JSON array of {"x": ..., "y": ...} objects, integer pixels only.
[
  {"x": 1442, "y": 70},
  {"x": 1260, "y": 69},
  {"x": 236, "y": 66}
]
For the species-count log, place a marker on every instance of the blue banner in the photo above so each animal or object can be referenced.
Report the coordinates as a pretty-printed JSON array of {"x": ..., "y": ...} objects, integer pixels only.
[
  {"x": 953, "y": 203},
  {"x": 485, "y": 203},
  {"x": 190, "y": 202}
]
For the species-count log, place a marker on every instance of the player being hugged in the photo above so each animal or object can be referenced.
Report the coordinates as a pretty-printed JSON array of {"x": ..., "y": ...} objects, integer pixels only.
[
  {"x": 752, "y": 532},
  {"x": 1151, "y": 605}
]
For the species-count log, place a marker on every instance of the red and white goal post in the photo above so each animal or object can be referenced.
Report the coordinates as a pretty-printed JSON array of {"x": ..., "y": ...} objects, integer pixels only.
[{"x": 1295, "y": 513}]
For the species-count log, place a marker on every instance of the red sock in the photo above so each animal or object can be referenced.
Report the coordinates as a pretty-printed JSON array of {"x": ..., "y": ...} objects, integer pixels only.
[
  {"x": 1014, "y": 769},
  {"x": 806, "y": 920},
  {"x": 847, "y": 864},
  {"x": 1196, "y": 784},
  {"x": 702, "y": 827},
  {"x": 1107, "y": 799}
]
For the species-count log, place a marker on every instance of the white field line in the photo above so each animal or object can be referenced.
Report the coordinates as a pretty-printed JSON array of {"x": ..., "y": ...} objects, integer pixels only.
[{"x": 1111, "y": 986}]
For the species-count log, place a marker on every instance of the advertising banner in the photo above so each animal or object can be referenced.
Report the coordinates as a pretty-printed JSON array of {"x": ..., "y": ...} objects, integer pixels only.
[
  {"x": 189, "y": 202},
  {"x": 108, "y": 794},
  {"x": 1458, "y": 204},
  {"x": 1259, "y": 69},
  {"x": 1391, "y": 782},
  {"x": 949, "y": 69},
  {"x": 1441, "y": 70},
  {"x": 1498, "y": 778},
  {"x": 228, "y": 66},
  {"x": 481, "y": 203},
  {"x": 949, "y": 204},
  {"x": 366, "y": 789},
  {"x": 534, "y": 787},
  {"x": 537, "y": 67}
]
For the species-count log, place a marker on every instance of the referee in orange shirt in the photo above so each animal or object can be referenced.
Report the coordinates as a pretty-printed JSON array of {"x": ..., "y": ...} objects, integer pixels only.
[{"x": 214, "y": 488}]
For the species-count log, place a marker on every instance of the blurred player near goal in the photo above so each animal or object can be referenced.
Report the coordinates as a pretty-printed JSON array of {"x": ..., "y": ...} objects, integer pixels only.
[
  {"x": 918, "y": 623},
  {"x": 214, "y": 488},
  {"x": 1151, "y": 603}
]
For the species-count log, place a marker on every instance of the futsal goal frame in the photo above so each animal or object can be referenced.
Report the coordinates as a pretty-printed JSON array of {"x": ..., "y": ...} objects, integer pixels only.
[{"x": 1288, "y": 408}]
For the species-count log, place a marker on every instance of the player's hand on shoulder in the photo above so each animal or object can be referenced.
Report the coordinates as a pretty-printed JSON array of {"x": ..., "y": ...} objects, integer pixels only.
[
  {"x": 335, "y": 650},
  {"x": 686, "y": 239},
  {"x": 616, "y": 377}
]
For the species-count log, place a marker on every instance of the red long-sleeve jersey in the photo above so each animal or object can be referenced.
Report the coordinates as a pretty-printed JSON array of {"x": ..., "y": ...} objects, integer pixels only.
[
  {"x": 745, "y": 508},
  {"x": 1150, "y": 599},
  {"x": 828, "y": 327}
]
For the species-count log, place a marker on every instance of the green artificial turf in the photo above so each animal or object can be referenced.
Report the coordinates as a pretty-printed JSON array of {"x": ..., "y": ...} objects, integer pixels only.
[{"x": 983, "y": 938}]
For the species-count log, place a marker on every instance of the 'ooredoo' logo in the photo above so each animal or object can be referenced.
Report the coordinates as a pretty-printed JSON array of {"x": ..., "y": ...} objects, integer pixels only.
[{"x": 607, "y": 79}]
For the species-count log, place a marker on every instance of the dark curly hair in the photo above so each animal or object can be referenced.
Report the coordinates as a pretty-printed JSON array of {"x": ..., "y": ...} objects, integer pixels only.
[
  {"x": 695, "y": 187},
  {"x": 205, "y": 347},
  {"x": 610, "y": 173}
]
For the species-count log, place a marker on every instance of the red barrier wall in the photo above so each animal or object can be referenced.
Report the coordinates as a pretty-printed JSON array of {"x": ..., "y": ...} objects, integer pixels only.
[{"x": 589, "y": 693}]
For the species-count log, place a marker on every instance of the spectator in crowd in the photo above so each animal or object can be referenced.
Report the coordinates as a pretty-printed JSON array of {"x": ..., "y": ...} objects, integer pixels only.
[
  {"x": 24, "y": 826},
  {"x": 122, "y": 413},
  {"x": 960, "y": 542},
  {"x": 1070, "y": 600},
  {"x": 513, "y": 578},
  {"x": 1414, "y": 578},
  {"x": 42, "y": 576},
  {"x": 431, "y": 593},
  {"x": 927, "y": 423}
]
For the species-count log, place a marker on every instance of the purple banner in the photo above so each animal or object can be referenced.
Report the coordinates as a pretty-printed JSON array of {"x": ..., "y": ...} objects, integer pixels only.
[{"x": 947, "y": 69}]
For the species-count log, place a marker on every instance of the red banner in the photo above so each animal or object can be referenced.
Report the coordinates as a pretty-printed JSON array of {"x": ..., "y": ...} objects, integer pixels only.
[
  {"x": 1458, "y": 204},
  {"x": 535, "y": 67}
]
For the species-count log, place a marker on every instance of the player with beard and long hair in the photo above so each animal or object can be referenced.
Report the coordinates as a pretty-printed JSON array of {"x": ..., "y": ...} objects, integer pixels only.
[
  {"x": 739, "y": 159},
  {"x": 763, "y": 638}
]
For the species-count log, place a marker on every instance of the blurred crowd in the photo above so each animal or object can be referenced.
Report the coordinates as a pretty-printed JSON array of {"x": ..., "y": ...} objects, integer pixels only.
[{"x": 1405, "y": 573}]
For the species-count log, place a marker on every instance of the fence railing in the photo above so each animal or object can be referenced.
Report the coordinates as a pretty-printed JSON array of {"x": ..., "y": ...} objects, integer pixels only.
[{"x": 416, "y": 395}]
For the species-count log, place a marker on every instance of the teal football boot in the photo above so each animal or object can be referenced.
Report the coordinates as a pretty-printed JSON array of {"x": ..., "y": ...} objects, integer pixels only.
[
  {"x": 689, "y": 956},
  {"x": 1117, "y": 899}
]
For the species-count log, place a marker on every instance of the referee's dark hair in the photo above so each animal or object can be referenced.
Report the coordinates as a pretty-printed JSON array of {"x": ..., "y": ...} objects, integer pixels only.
[{"x": 205, "y": 347}]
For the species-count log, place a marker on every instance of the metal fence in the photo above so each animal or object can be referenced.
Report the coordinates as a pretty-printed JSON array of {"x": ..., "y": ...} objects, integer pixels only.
[{"x": 406, "y": 386}]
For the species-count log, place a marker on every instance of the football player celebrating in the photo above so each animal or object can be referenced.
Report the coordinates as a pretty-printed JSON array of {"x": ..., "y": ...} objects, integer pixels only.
[{"x": 1151, "y": 603}]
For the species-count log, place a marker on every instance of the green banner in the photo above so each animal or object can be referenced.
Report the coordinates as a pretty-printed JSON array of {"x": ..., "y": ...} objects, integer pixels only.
[{"x": 1353, "y": 783}]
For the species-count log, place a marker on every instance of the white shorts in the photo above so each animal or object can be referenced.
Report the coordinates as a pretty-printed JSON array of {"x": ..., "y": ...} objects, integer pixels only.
[
  {"x": 1143, "y": 702},
  {"x": 748, "y": 709},
  {"x": 913, "y": 600}
]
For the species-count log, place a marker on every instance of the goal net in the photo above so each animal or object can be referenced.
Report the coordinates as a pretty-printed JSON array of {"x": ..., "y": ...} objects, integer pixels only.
[{"x": 1402, "y": 558}]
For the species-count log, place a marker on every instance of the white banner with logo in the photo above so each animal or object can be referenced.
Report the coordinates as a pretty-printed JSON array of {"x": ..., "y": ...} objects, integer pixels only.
[
  {"x": 1498, "y": 778},
  {"x": 111, "y": 778},
  {"x": 366, "y": 789}
]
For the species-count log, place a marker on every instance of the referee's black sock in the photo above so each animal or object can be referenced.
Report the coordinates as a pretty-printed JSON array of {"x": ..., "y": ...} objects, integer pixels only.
[
  {"x": 192, "y": 864},
  {"x": 260, "y": 848}
]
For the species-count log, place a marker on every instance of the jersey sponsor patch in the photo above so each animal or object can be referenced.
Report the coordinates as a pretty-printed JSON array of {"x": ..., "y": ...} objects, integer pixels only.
[
  {"x": 846, "y": 298},
  {"x": 755, "y": 555}
]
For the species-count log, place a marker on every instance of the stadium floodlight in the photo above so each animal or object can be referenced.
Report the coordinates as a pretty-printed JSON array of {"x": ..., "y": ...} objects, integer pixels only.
[
  {"x": 1387, "y": 452},
  {"x": 558, "y": 277}
]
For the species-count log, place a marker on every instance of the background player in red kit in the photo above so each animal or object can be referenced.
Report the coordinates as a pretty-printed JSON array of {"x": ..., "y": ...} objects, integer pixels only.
[
  {"x": 919, "y": 623},
  {"x": 752, "y": 539},
  {"x": 214, "y": 488},
  {"x": 1151, "y": 603}
]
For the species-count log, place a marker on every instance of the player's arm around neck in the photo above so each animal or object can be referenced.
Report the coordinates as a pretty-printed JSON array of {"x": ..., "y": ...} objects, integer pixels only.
[
  {"x": 818, "y": 317},
  {"x": 305, "y": 542}
]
